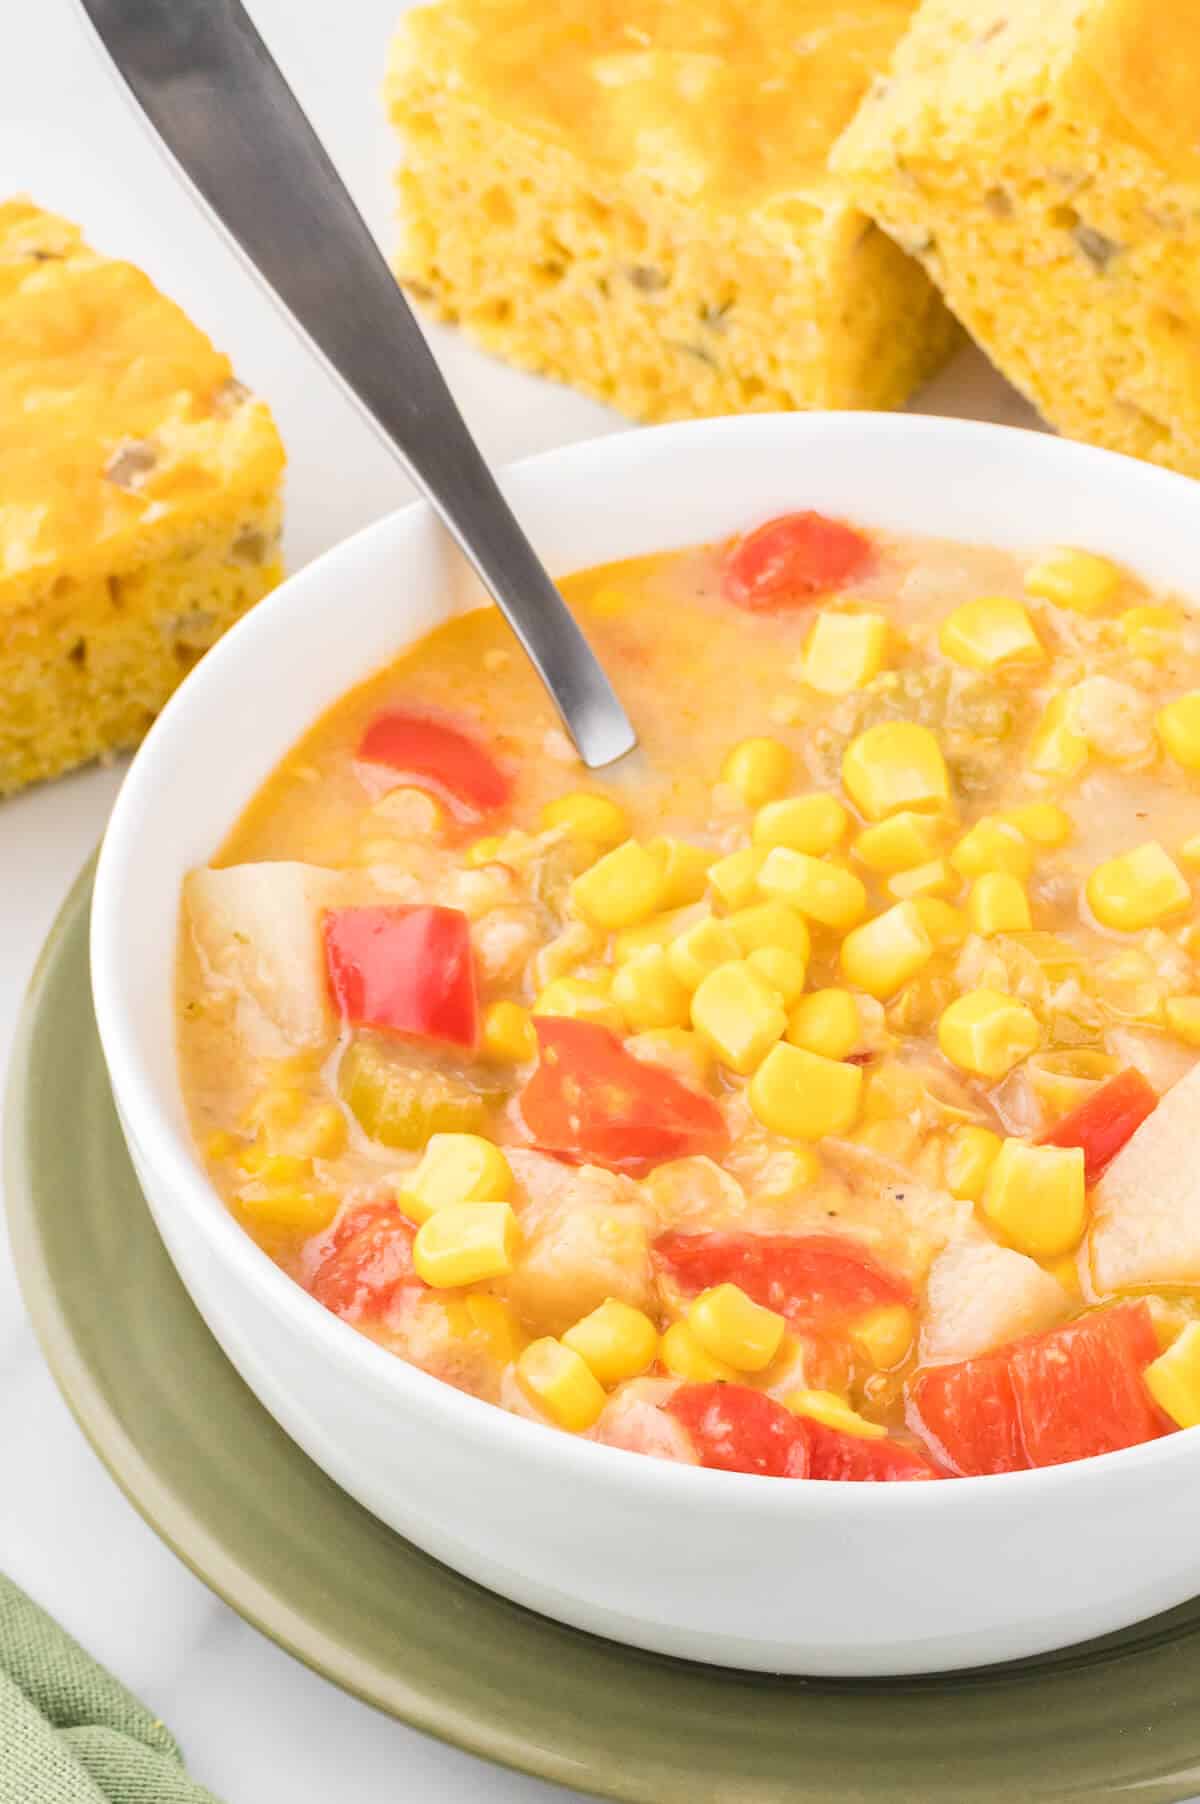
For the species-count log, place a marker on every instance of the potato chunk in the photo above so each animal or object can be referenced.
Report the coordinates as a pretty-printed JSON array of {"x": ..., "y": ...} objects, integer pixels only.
[
  {"x": 257, "y": 927},
  {"x": 981, "y": 1295},
  {"x": 1146, "y": 1207},
  {"x": 634, "y": 1418},
  {"x": 584, "y": 1239}
]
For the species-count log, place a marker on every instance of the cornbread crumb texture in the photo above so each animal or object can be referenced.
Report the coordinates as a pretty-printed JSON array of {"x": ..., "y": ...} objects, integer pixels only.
[
  {"x": 1042, "y": 159},
  {"x": 140, "y": 506},
  {"x": 633, "y": 196}
]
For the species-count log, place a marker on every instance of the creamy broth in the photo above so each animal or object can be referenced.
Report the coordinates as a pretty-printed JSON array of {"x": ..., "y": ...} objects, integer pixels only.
[{"x": 865, "y": 1263}]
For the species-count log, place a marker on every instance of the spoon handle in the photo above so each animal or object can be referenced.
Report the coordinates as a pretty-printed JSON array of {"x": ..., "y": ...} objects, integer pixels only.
[{"x": 207, "y": 83}]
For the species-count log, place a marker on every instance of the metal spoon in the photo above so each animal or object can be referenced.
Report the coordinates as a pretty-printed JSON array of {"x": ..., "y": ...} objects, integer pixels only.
[{"x": 207, "y": 83}]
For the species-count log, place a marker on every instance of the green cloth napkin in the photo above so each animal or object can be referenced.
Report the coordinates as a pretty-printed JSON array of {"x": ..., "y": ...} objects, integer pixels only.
[{"x": 69, "y": 1733}]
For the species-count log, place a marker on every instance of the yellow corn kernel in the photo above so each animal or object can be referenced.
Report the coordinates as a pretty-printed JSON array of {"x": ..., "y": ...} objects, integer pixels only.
[
  {"x": 585, "y": 816},
  {"x": 1138, "y": 889},
  {"x": 1057, "y": 750},
  {"x": 844, "y": 651},
  {"x": 785, "y": 971},
  {"x": 813, "y": 823},
  {"x": 1151, "y": 632},
  {"x": 1035, "y": 1197},
  {"x": 969, "y": 1158},
  {"x": 560, "y": 1382},
  {"x": 992, "y": 845},
  {"x": 901, "y": 843},
  {"x": 616, "y": 1340},
  {"x": 659, "y": 930},
  {"x": 759, "y": 769},
  {"x": 289, "y": 1210},
  {"x": 648, "y": 993},
  {"x": 1066, "y": 1270},
  {"x": 221, "y": 1145},
  {"x": 1189, "y": 851},
  {"x": 621, "y": 889},
  {"x": 1173, "y": 1379},
  {"x": 734, "y": 1329},
  {"x": 933, "y": 879},
  {"x": 684, "y": 870},
  {"x": 881, "y": 955},
  {"x": 700, "y": 950},
  {"x": 999, "y": 903},
  {"x": 1042, "y": 823},
  {"x": 1183, "y": 1018},
  {"x": 739, "y": 1015},
  {"x": 735, "y": 878},
  {"x": 464, "y": 1243},
  {"x": 769, "y": 924},
  {"x": 893, "y": 766},
  {"x": 826, "y": 1022},
  {"x": 803, "y": 1095},
  {"x": 945, "y": 924},
  {"x": 454, "y": 1168},
  {"x": 683, "y": 1357},
  {"x": 833, "y": 1411},
  {"x": 1178, "y": 729},
  {"x": 987, "y": 634},
  {"x": 582, "y": 999},
  {"x": 987, "y": 1033},
  {"x": 818, "y": 888},
  {"x": 506, "y": 1034},
  {"x": 884, "y": 1335},
  {"x": 1078, "y": 580},
  {"x": 486, "y": 850},
  {"x": 274, "y": 1168}
]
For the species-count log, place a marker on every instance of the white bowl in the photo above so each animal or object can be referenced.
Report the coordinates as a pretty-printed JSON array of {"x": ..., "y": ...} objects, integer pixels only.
[{"x": 787, "y": 1576}]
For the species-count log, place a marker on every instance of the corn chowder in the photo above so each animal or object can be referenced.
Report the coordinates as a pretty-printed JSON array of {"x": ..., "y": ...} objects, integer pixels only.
[{"x": 816, "y": 1103}]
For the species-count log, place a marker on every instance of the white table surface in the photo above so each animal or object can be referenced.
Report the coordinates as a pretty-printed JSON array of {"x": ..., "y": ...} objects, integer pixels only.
[{"x": 257, "y": 1727}]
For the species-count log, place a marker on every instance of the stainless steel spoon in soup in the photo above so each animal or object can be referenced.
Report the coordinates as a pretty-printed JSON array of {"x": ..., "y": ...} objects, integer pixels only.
[{"x": 207, "y": 83}]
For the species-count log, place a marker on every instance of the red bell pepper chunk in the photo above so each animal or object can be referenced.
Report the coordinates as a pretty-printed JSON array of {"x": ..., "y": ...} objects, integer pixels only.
[
  {"x": 1109, "y": 1117},
  {"x": 852, "y": 1457},
  {"x": 431, "y": 754},
  {"x": 787, "y": 561},
  {"x": 967, "y": 1415},
  {"x": 1045, "y": 1400},
  {"x": 358, "y": 1267},
  {"x": 409, "y": 970},
  {"x": 819, "y": 1282},
  {"x": 591, "y": 1101},
  {"x": 1080, "y": 1390},
  {"x": 736, "y": 1429}
]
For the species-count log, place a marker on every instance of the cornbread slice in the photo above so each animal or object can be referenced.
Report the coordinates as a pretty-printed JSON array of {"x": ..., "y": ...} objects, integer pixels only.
[
  {"x": 1042, "y": 158},
  {"x": 139, "y": 498},
  {"x": 632, "y": 195}
]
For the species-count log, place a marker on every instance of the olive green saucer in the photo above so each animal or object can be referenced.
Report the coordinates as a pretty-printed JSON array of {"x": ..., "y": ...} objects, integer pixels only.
[{"x": 212, "y": 1473}]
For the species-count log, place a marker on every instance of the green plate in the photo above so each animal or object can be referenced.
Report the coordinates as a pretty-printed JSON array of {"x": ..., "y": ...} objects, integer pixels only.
[{"x": 212, "y": 1473}]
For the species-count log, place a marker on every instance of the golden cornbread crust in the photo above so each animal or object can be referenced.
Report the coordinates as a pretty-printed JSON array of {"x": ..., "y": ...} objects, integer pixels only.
[
  {"x": 139, "y": 503},
  {"x": 633, "y": 197},
  {"x": 1042, "y": 158}
]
